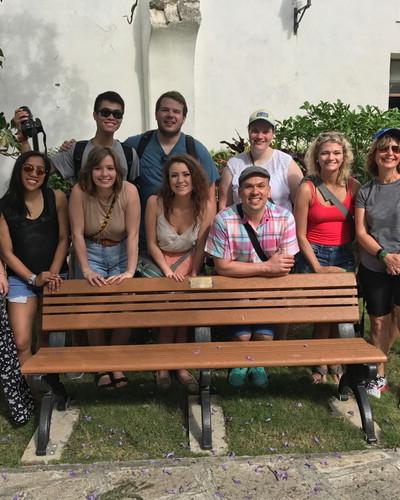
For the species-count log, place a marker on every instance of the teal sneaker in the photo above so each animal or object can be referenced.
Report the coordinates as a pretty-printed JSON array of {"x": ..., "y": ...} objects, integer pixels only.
[
  {"x": 258, "y": 376},
  {"x": 237, "y": 377}
]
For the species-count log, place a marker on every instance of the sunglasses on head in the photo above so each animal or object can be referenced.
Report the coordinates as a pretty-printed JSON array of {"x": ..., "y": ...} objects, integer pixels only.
[
  {"x": 106, "y": 112},
  {"x": 28, "y": 168}
]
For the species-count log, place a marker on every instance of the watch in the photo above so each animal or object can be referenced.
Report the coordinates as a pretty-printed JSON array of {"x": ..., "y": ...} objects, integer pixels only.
[
  {"x": 31, "y": 280},
  {"x": 381, "y": 254}
]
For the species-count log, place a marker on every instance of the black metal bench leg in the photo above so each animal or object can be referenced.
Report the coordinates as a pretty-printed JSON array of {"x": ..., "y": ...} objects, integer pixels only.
[
  {"x": 357, "y": 377},
  {"x": 51, "y": 392},
  {"x": 205, "y": 401}
]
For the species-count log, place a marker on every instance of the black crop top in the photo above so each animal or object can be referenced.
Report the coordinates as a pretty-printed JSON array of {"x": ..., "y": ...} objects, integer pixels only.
[{"x": 34, "y": 241}]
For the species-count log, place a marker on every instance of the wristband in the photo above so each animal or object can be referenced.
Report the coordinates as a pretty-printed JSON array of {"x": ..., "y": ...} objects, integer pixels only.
[{"x": 381, "y": 254}]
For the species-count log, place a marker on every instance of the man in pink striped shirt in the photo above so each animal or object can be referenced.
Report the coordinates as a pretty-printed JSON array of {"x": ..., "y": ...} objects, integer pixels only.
[{"x": 234, "y": 254}]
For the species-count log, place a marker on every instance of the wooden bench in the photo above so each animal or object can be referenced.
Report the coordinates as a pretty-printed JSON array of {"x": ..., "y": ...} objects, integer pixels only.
[{"x": 202, "y": 303}]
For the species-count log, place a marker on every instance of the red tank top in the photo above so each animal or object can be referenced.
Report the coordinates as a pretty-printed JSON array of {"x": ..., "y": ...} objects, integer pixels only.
[{"x": 326, "y": 225}]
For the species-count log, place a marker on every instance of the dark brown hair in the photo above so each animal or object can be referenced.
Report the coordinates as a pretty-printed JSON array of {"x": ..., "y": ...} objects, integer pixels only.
[{"x": 199, "y": 185}]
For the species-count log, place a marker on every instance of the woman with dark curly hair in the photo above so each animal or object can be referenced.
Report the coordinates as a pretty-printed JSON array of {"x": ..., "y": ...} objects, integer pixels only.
[
  {"x": 377, "y": 218},
  {"x": 177, "y": 223},
  {"x": 34, "y": 242}
]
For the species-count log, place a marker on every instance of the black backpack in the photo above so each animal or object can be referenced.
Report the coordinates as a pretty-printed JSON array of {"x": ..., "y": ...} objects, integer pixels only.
[
  {"x": 78, "y": 154},
  {"x": 146, "y": 137}
]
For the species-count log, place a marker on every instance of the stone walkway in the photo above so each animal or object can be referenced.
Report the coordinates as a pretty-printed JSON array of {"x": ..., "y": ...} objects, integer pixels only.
[{"x": 373, "y": 474}]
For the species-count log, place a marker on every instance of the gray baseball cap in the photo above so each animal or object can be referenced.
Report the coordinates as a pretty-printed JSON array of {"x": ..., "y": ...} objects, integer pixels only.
[{"x": 253, "y": 171}]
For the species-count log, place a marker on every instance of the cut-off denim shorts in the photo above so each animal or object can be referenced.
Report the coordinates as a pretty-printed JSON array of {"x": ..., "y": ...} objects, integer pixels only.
[
  {"x": 106, "y": 261},
  {"x": 263, "y": 329},
  {"x": 19, "y": 291},
  {"x": 336, "y": 255}
]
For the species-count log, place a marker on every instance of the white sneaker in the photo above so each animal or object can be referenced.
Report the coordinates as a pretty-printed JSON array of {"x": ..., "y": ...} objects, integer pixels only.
[{"x": 377, "y": 386}]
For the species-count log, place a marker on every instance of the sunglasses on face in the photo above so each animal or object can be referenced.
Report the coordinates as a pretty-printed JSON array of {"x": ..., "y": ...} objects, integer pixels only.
[
  {"x": 386, "y": 149},
  {"x": 106, "y": 112},
  {"x": 29, "y": 169}
]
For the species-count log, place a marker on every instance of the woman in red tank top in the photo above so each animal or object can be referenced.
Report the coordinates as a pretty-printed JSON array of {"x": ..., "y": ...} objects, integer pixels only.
[{"x": 324, "y": 232}]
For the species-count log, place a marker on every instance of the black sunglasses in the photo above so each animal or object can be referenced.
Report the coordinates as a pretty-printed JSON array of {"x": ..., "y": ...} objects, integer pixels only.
[{"x": 106, "y": 112}]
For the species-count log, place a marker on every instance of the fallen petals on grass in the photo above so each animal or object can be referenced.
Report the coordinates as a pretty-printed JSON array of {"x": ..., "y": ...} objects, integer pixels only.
[
  {"x": 236, "y": 481},
  {"x": 281, "y": 475}
]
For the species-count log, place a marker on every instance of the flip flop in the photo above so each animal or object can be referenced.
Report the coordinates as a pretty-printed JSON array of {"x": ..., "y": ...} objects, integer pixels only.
[
  {"x": 97, "y": 378},
  {"x": 119, "y": 383}
]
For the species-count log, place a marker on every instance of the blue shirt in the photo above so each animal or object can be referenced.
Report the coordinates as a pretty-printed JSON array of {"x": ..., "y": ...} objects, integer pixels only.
[{"x": 154, "y": 157}]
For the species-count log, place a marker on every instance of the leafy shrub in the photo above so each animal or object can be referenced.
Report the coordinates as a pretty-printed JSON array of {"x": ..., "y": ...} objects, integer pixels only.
[{"x": 295, "y": 133}]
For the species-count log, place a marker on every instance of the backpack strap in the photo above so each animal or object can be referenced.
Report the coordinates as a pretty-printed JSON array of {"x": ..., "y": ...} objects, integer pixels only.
[
  {"x": 252, "y": 235},
  {"x": 144, "y": 140},
  {"x": 129, "y": 158},
  {"x": 77, "y": 157},
  {"x": 191, "y": 146}
]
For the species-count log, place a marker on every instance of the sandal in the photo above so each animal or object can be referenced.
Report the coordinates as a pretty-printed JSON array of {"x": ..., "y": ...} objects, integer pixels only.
[
  {"x": 163, "y": 382},
  {"x": 119, "y": 382},
  {"x": 336, "y": 372},
  {"x": 100, "y": 375},
  {"x": 318, "y": 375},
  {"x": 191, "y": 384}
]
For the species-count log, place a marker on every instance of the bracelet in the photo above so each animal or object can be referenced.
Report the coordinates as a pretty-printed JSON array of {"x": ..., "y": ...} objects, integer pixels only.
[{"x": 381, "y": 254}]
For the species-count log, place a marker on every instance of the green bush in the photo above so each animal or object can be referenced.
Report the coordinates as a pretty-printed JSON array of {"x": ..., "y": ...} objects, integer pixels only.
[{"x": 295, "y": 133}]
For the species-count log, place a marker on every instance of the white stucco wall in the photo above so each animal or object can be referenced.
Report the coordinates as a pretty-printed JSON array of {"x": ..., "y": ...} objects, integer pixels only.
[{"x": 60, "y": 55}]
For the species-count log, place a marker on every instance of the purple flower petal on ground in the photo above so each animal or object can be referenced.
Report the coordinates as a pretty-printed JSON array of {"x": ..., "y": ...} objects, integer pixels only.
[
  {"x": 307, "y": 465},
  {"x": 232, "y": 454},
  {"x": 4, "y": 476},
  {"x": 236, "y": 481},
  {"x": 167, "y": 471},
  {"x": 170, "y": 454},
  {"x": 351, "y": 413},
  {"x": 272, "y": 450},
  {"x": 317, "y": 439},
  {"x": 91, "y": 496},
  {"x": 285, "y": 444},
  {"x": 324, "y": 462},
  {"x": 18, "y": 496},
  {"x": 170, "y": 492},
  {"x": 223, "y": 467},
  {"x": 88, "y": 418},
  {"x": 259, "y": 469},
  {"x": 317, "y": 488},
  {"x": 281, "y": 475},
  {"x": 337, "y": 455},
  {"x": 219, "y": 494},
  {"x": 72, "y": 473}
]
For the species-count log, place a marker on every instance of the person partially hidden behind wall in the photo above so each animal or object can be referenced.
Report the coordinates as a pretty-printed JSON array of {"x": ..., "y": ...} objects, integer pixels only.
[{"x": 234, "y": 253}]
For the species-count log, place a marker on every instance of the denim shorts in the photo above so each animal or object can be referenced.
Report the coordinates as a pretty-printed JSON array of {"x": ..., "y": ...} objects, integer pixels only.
[
  {"x": 336, "y": 255},
  {"x": 19, "y": 291},
  {"x": 106, "y": 261},
  {"x": 240, "y": 330}
]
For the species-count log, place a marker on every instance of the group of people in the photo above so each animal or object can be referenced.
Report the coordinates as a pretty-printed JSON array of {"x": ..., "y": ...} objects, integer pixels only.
[{"x": 269, "y": 221}]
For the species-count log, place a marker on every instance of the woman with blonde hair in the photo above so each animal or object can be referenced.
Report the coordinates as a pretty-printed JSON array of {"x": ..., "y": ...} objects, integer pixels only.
[
  {"x": 324, "y": 213},
  {"x": 105, "y": 217}
]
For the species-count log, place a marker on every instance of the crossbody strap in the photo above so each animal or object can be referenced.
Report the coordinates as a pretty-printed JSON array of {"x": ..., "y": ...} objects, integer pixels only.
[
  {"x": 252, "y": 235},
  {"x": 181, "y": 259},
  {"x": 329, "y": 196},
  {"x": 106, "y": 219}
]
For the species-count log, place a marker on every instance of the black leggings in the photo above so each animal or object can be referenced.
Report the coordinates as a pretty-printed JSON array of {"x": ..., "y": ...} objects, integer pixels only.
[{"x": 380, "y": 290}]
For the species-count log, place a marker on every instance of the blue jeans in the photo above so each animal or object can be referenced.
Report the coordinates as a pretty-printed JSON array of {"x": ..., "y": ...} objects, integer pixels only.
[
  {"x": 335, "y": 255},
  {"x": 106, "y": 261}
]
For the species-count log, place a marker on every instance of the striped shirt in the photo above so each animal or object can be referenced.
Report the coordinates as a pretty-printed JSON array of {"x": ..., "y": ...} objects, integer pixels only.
[{"x": 228, "y": 238}]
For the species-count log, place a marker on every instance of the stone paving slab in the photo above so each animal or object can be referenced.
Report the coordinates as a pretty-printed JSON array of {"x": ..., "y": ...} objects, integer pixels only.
[{"x": 359, "y": 475}]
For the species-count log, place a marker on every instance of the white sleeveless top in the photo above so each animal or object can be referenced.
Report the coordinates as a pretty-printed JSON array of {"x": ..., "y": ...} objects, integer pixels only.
[
  {"x": 170, "y": 241},
  {"x": 277, "y": 167}
]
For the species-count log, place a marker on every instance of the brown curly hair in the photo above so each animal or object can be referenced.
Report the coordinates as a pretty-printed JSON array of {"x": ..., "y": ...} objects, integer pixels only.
[{"x": 199, "y": 184}]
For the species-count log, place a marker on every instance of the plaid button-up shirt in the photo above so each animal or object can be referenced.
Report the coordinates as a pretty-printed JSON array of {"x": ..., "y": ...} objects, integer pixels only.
[{"x": 228, "y": 238}]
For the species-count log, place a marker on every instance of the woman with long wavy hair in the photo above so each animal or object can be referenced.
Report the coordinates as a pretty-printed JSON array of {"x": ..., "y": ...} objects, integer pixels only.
[{"x": 177, "y": 223}]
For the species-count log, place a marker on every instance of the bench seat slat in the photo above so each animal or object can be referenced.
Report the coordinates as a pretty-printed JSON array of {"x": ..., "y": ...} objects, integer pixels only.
[
  {"x": 129, "y": 319},
  {"x": 202, "y": 355},
  {"x": 216, "y": 304}
]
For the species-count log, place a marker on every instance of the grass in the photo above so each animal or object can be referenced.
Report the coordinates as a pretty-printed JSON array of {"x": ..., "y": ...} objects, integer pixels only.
[{"x": 292, "y": 416}]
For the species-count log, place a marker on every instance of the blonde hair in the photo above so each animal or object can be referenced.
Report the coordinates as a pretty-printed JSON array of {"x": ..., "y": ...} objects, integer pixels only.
[{"x": 311, "y": 156}]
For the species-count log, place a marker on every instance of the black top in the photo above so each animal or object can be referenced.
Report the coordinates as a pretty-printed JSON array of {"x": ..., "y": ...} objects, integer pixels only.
[{"x": 34, "y": 241}]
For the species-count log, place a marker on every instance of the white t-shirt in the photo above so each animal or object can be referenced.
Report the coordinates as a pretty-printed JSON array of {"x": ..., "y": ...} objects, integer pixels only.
[{"x": 277, "y": 167}]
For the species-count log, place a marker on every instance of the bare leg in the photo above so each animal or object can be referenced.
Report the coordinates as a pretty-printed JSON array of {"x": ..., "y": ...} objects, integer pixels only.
[
  {"x": 98, "y": 337},
  {"x": 380, "y": 336},
  {"x": 22, "y": 317}
]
